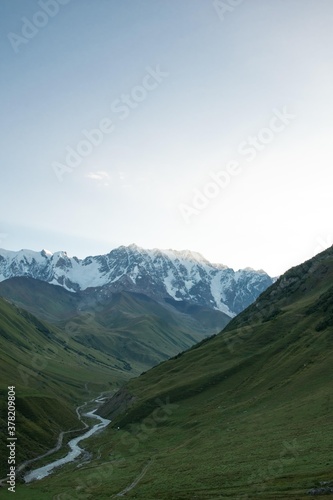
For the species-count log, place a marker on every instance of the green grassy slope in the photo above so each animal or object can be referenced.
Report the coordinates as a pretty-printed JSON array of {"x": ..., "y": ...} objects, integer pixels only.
[
  {"x": 94, "y": 345},
  {"x": 48, "y": 302},
  {"x": 246, "y": 414},
  {"x": 132, "y": 327},
  {"x": 52, "y": 373}
]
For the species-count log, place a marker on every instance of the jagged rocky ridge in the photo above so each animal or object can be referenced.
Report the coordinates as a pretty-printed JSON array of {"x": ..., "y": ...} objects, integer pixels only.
[{"x": 160, "y": 274}]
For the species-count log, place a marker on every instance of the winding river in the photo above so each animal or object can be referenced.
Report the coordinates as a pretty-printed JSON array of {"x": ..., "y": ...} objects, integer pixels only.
[{"x": 73, "y": 454}]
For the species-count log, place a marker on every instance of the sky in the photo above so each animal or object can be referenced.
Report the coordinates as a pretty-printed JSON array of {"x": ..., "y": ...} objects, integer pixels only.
[{"x": 191, "y": 124}]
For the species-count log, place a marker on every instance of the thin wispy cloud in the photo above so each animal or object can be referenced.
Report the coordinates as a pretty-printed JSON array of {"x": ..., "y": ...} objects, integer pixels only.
[{"x": 100, "y": 175}]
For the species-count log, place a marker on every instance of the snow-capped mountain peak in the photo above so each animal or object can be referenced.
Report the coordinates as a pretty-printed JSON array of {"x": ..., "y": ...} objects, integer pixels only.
[{"x": 178, "y": 275}]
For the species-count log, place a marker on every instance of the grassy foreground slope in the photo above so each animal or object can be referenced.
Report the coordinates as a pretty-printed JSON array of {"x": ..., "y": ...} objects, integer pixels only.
[
  {"x": 246, "y": 414},
  {"x": 52, "y": 373}
]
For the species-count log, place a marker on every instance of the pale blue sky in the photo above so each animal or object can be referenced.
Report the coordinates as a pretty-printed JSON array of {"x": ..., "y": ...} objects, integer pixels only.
[{"x": 222, "y": 79}]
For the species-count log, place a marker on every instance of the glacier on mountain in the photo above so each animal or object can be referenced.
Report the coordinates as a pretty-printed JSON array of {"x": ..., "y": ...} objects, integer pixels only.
[{"x": 181, "y": 275}]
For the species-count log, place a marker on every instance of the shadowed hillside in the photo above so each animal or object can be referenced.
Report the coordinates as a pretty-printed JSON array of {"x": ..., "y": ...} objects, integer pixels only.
[
  {"x": 129, "y": 326},
  {"x": 52, "y": 373},
  {"x": 250, "y": 409}
]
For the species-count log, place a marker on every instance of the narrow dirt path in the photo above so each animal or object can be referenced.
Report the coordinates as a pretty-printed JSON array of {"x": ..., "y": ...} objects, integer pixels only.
[{"x": 136, "y": 480}]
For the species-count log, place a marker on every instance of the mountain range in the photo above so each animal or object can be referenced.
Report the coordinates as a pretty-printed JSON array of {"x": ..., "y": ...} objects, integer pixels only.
[
  {"x": 160, "y": 274},
  {"x": 245, "y": 413},
  {"x": 106, "y": 318}
]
